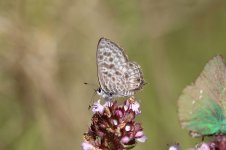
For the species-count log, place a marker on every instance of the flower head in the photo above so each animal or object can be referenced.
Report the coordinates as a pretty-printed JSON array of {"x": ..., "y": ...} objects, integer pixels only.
[
  {"x": 113, "y": 126},
  {"x": 218, "y": 143},
  {"x": 175, "y": 147},
  {"x": 204, "y": 146}
]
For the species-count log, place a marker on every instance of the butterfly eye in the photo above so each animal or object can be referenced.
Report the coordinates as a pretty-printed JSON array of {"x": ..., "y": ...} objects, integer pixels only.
[{"x": 99, "y": 90}]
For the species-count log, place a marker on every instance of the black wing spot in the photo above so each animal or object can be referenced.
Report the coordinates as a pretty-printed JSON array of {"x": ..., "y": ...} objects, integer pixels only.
[
  {"x": 130, "y": 64},
  {"x": 118, "y": 73},
  {"x": 101, "y": 57},
  {"x": 111, "y": 66},
  {"x": 110, "y": 59},
  {"x": 126, "y": 76}
]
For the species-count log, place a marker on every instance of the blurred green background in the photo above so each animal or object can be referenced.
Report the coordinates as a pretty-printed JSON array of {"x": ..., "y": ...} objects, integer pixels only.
[{"x": 47, "y": 51}]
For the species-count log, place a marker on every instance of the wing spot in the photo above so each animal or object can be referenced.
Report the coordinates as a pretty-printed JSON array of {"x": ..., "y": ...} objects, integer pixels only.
[
  {"x": 130, "y": 64},
  {"x": 110, "y": 59},
  {"x": 126, "y": 76},
  {"x": 113, "y": 78},
  {"x": 101, "y": 57},
  {"x": 111, "y": 66},
  {"x": 118, "y": 73},
  {"x": 109, "y": 54}
]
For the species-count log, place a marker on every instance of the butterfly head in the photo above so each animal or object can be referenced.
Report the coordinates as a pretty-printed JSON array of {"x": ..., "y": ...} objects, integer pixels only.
[{"x": 106, "y": 96}]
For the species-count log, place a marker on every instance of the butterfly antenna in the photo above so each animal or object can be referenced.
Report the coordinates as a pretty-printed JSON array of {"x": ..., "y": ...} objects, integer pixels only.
[
  {"x": 90, "y": 84},
  {"x": 92, "y": 99},
  {"x": 94, "y": 93}
]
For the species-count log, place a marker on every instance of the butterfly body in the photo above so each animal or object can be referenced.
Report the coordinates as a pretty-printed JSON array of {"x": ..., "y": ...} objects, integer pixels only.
[
  {"x": 118, "y": 77},
  {"x": 202, "y": 106}
]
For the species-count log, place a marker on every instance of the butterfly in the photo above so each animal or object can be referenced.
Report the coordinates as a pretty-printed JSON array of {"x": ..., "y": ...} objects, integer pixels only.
[
  {"x": 118, "y": 77},
  {"x": 202, "y": 105}
]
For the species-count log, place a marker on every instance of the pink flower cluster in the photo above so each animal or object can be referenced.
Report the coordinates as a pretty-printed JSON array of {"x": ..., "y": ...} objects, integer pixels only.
[
  {"x": 219, "y": 143},
  {"x": 113, "y": 126}
]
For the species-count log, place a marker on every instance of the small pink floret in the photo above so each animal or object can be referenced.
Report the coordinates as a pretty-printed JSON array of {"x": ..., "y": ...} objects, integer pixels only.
[
  {"x": 97, "y": 107},
  {"x": 141, "y": 139},
  {"x": 87, "y": 146},
  {"x": 125, "y": 139}
]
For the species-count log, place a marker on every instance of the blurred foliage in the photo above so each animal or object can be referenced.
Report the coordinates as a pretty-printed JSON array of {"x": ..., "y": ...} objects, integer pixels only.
[{"x": 47, "y": 51}]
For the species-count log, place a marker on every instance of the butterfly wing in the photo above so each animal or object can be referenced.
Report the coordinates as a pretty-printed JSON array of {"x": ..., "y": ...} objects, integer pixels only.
[
  {"x": 116, "y": 74},
  {"x": 202, "y": 104},
  {"x": 109, "y": 56},
  {"x": 133, "y": 78}
]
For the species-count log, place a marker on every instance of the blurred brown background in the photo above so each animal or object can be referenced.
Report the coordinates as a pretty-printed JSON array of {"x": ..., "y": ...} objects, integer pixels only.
[{"x": 47, "y": 51}]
